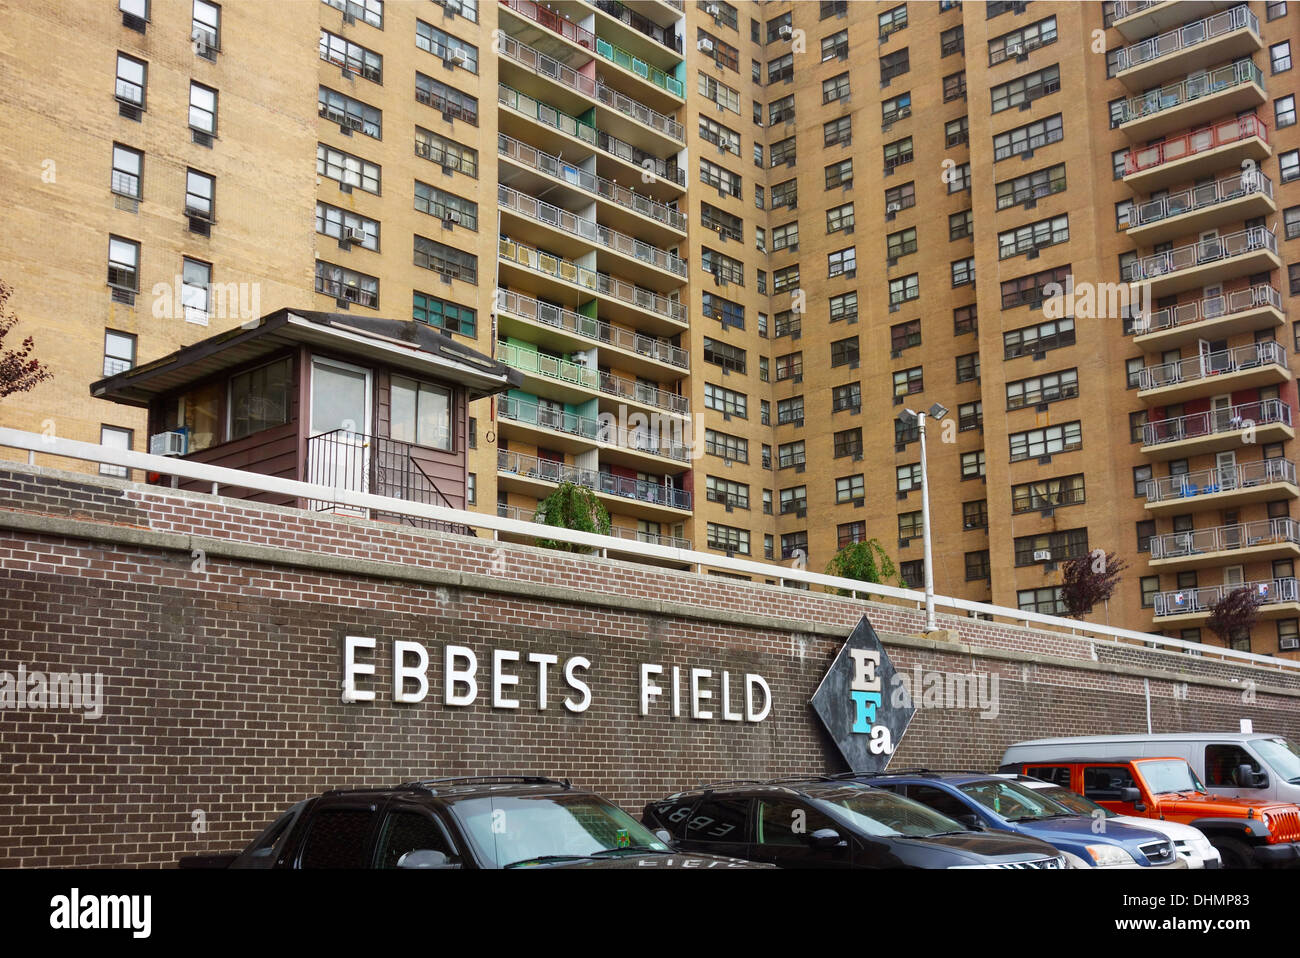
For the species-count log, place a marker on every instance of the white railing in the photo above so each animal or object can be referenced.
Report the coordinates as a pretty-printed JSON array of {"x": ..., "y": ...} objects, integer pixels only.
[
  {"x": 1184, "y": 601},
  {"x": 1193, "y": 88},
  {"x": 1205, "y": 365},
  {"x": 548, "y": 470},
  {"x": 601, "y": 430},
  {"x": 1241, "y": 535},
  {"x": 1201, "y": 253},
  {"x": 576, "y": 374},
  {"x": 1214, "y": 422},
  {"x": 1126, "y": 8},
  {"x": 1199, "y": 197},
  {"x": 1210, "y": 307},
  {"x": 1188, "y": 35},
  {"x": 219, "y": 476},
  {"x": 589, "y": 327},
  {"x": 1204, "y": 482}
]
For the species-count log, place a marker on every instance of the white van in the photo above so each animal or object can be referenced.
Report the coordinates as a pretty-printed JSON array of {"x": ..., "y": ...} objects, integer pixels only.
[{"x": 1217, "y": 758}]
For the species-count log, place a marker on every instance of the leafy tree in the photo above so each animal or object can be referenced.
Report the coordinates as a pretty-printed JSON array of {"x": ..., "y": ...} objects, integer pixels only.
[
  {"x": 572, "y": 507},
  {"x": 19, "y": 371},
  {"x": 1088, "y": 580},
  {"x": 866, "y": 561},
  {"x": 1236, "y": 612}
]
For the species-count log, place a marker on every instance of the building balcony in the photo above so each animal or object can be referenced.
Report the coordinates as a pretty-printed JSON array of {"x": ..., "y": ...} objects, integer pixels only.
[
  {"x": 653, "y": 267},
  {"x": 1206, "y": 262},
  {"x": 556, "y": 428},
  {"x": 575, "y": 383},
  {"x": 1213, "y": 374},
  {"x": 1216, "y": 430},
  {"x": 1278, "y": 598},
  {"x": 1188, "y": 157},
  {"x": 1197, "y": 100},
  {"x": 634, "y": 538},
  {"x": 564, "y": 330},
  {"x": 1194, "y": 211},
  {"x": 1137, "y": 19},
  {"x": 1213, "y": 317},
  {"x": 1221, "y": 37},
  {"x": 631, "y": 210},
  {"x": 534, "y": 476},
  {"x": 640, "y": 35},
  {"x": 561, "y": 279},
  {"x": 1260, "y": 541},
  {"x": 1223, "y": 487}
]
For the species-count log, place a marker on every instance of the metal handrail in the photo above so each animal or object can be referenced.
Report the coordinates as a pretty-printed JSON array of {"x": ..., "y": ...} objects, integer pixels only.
[
  {"x": 589, "y": 327},
  {"x": 564, "y": 370},
  {"x": 594, "y": 430},
  {"x": 1246, "y": 183},
  {"x": 1215, "y": 422},
  {"x": 1210, "y": 307},
  {"x": 1241, "y": 535},
  {"x": 661, "y": 35},
  {"x": 1221, "y": 479},
  {"x": 1174, "y": 148},
  {"x": 1201, "y": 252},
  {"x": 521, "y": 514},
  {"x": 1188, "y": 35},
  {"x": 1192, "y": 88},
  {"x": 1204, "y": 365},
  {"x": 1268, "y": 591},
  {"x": 548, "y": 470}
]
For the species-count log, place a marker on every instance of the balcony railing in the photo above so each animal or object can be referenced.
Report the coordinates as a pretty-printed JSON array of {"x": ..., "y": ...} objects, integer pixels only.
[
  {"x": 663, "y": 169},
  {"x": 661, "y": 35},
  {"x": 600, "y": 283},
  {"x": 1126, "y": 8},
  {"x": 593, "y": 430},
  {"x": 636, "y": 535},
  {"x": 1211, "y": 307},
  {"x": 1216, "y": 421},
  {"x": 543, "y": 65},
  {"x": 1201, "y": 253},
  {"x": 606, "y": 189},
  {"x": 1242, "y": 535},
  {"x": 549, "y": 470},
  {"x": 591, "y": 328},
  {"x": 1221, "y": 479},
  {"x": 1186, "y": 36},
  {"x": 1191, "y": 89},
  {"x": 576, "y": 374},
  {"x": 1205, "y": 365},
  {"x": 1247, "y": 183},
  {"x": 1174, "y": 148},
  {"x": 1185, "y": 601},
  {"x": 589, "y": 230}
]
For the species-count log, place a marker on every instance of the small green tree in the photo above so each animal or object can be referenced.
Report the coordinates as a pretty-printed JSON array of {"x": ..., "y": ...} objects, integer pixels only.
[
  {"x": 572, "y": 507},
  {"x": 866, "y": 561}
]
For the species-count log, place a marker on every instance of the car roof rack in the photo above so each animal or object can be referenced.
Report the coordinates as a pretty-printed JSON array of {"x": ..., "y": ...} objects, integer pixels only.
[
  {"x": 489, "y": 780},
  {"x": 926, "y": 772}
]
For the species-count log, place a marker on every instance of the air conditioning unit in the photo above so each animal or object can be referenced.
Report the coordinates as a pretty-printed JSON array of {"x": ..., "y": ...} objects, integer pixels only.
[
  {"x": 786, "y": 31},
  {"x": 459, "y": 56},
  {"x": 704, "y": 45},
  {"x": 450, "y": 218},
  {"x": 1289, "y": 644},
  {"x": 1043, "y": 555},
  {"x": 893, "y": 207},
  {"x": 713, "y": 10},
  {"x": 349, "y": 18},
  {"x": 353, "y": 235},
  {"x": 168, "y": 444}
]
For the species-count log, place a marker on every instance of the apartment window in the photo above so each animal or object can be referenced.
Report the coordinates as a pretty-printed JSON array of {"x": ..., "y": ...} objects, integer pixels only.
[
  {"x": 119, "y": 352},
  {"x": 848, "y": 443},
  {"x": 975, "y": 514},
  {"x": 1136, "y": 424},
  {"x": 835, "y": 46},
  {"x": 793, "y": 500},
  {"x": 722, "y": 354},
  {"x": 1038, "y": 338},
  {"x": 958, "y": 177},
  {"x": 954, "y": 86},
  {"x": 904, "y": 434},
  {"x": 905, "y": 335},
  {"x": 351, "y": 171},
  {"x": 893, "y": 65},
  {"x": 1025, "y": 139},
  {"x": 347, "y": 284},
  {"x": 788, "y": 322},
  {"x": 1018, "y": 43},
  {"x": 912, "y": 573},
  {"x": 1058, "y": 546},
  {"x": 977, "y": 565},
  {"x": 786, "y": 279},
  {"x": 1045, "y": 601},
  {"x": 447, "y": 316},
  {"x": 446, "y": 260},
  {"x": 372, "y": 11},
  {"x": 138, "y": 9},
  {"x": 763, "y": 373},
  {"x": 1133, "y": 368},
  {"x": 196, "y": 284},
  {"x": 965, "y": 320},
  {"x": 724, "y": 181},
  {"x": 1275, "y": 9},
  {"x": 1150, "y": 585},
  {"x": 205, "y": 30},
  {"x": 728, "y": 538},
  {"x": 790, "y": 454},
  {"x": 345, "y": 111},
  {"x": 1279, "y": 55},
  {"x": 894, "y": 109},
  {"x": 778, "y": 28},
  {"x": 724, "y": 96},
  {"x": 1291, "y": 222},
  {"x": 1034, "y": 236},
  {"x": 839, "y": 174},
  {"x": 907, "y": 478},
  {"x": 1046, "y": 441},
  {"x": 1288, "y": 634},
  {"x": 900, "y": 198},
  {"x": 724, "y": 55},
  {"x": 721, "y": 222},
  {"x": 838, "y": 131},
  {"x": 908, "y": 381},
  {"x": 844, "y": 306},
  {"x": 848, "y": 396},
  {"x": 758, "y": 196},
  {"x": 963, "y": 271},
  {"x": 785, "y": 194},
  {"x": 1032, "y": 186},
  {"x": 961, "y": 225},
  {"x": 451, "y": 50},
  {"x": 849, "y": 533},
  {"x": 781, "y": 69},
  {"x": 845, "y": 352},
  {"x": 835, "y": 88},
  {"x": 1031, "y": 290},
  {"x": 901, "y": 243},
  {"x": 131, "y": 81},
  {"x": 346, "y": 225},
  {"x": 840, "y": 8},
  {"x": 719, "y": 135},
  {"x": 956, "y": 132},
  {"x": 1047, "y": 494},
  {"x": 789, "y": 366},
  {"x": 970, "y": 415},
  {"x": 1043, "y": 389},
  {"x": 782, "y": 152},
  {"x": 445, "y": 206},
  {"x": 842, "y": 263},
  {"x": 452, "y": 156},
  {"x": 910, "y": 525},
  {"x": 726, "y": 446},
  {"x": 904, "y": 288},
  {"x": 968, "y": 367},
  {"x": 760, "y": 239},
  {"x": 351, "y": 56},
  {"x": 898, "y": 153},
  {"x": 789, "y": 411},
  {"x": 1142, "y": 475},
  {"x": 128, "y": 165},
  {"x": 123, "y": 264},
  {"x": 115, "y": 438},
  {"x": 1289, "y": 165},
  {"x": 794, "y": 543},
  {"x": 892, "y": 20},
  {"x": 723, "y": 268},
  {"x": 781, "y": 111},
  {"x": 1284, "y": 110},
  {"x": 839, "y": 218},
  {"x": 454, "y": 104},
  {"x": 726, "y": 401},
  {"x": 849, "y": 488},
  {"x": 1146, "y": 531},
  {"x": 734, "y": 494}
]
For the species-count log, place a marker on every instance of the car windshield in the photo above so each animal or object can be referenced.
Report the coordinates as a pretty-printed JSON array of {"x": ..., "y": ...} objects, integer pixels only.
[
  {"x": 877, "y": 812},
  {"x": 1174, "y": 775},
  {"x": 513, "y": 829},
  {"x": 1013, "y": 801},
  {"x": 1280, "y": 756},
  {"x": 1074, "y": 801}
]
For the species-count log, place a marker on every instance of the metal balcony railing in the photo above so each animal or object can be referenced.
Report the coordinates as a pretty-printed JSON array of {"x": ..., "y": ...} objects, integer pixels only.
[
  {"x": 1201, "y": 253},
  {"x": 1183, "y": 601},
  {"x": 1190, "y": 89},
  {"x": 1221, "y": 479},
  {"x": 1215, "y": 422},
  {"x": 1241, "y": 535},
  {"x": 589, "y": 230},
  {"x": 1246, "y": 183},
  {"x": 600, "y": 283},
  {"x": 1186, "y": 36},
  {"x": 661, "y": 35},
  {"x": 543, "y": 65},
  {"x": 1126, "y": 8},
  {"x": 636, "y": 535},
  {"x": 564, "y": 370},
  {"x": 593, "y": 430},
  {"x": 1174, "y": 148},
  {"x": 606, "y": 189},
  {"x": 662, "y": 169},
  {"x": 1210, "y": 307},
  {"x": 660, "y": 494},
  {"x": 1205, "y": 365},
  {"x": 591, "y": 328}
]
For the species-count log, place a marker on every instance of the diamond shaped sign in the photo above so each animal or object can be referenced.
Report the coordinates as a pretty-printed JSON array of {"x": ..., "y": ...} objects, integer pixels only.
[{"x": 854, "y": 702}]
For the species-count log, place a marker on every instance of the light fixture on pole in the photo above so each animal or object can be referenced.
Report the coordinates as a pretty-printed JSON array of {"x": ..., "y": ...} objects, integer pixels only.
[{"x": 908, "y": 417}]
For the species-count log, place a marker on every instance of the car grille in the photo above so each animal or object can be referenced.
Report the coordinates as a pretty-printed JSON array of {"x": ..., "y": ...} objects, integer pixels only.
[
  {"x": 1055, "y": 863},
  {"x": 1283, "y": 826},
  {"x": 1158, "y": 853}
]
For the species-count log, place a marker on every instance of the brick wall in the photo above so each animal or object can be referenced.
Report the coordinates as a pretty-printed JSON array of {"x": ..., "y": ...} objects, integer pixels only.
[{"x": 217, "y": 625}]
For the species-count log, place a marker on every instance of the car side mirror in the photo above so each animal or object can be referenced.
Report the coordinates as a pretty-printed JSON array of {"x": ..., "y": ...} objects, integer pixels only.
[
  {"x": 971, "y": 821},
  {"x": 1243, "y": 776},
  {"x": 1130, "y": 794},
  {"x": 664, "y": 836},
  {"x": 425, "y": 858},
  {"x": 825, "y": 838}
]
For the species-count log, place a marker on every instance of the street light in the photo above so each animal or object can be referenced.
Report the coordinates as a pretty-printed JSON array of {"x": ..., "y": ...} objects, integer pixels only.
[{"x": 909, "y": 418}]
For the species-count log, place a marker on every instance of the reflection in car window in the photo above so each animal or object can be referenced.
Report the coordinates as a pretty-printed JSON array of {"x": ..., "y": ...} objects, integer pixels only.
[
  {"x": 1056, "y": 774},
  {"x": 943, "y": 802},
  {"x": 1106, "y": 783},
  {"x": 1011, "y": 801},
  {"x": 407, "y": 832},
  {"x": 1076, "y": 802},
  {"x": 787, "y": 822},
  {"x": 1281, "y": 757},
  {"x": 1172, "y": 776},
  {"x": 884, "y": 813},
  {"x": 337, "y": 839}
]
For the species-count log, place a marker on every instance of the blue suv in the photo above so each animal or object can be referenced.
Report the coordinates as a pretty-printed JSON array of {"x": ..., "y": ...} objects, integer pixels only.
[{"x": 983, "y": 801}]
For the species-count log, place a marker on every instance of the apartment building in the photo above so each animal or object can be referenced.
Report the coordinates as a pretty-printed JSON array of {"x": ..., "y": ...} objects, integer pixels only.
[{"x": 726, "y": 244}]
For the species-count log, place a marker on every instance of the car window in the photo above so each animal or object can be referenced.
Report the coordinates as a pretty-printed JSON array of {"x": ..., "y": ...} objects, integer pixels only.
[
  {"x": 337, "y": 838},
  {"x": 1056, "y": 774},
  {"x": 1106, "y": 783},
  {"x": 941, "y": 800},
  {"x": 408, "y": 831},
  {"x": 1012, "y": 801},
  {"x": 1220, "y": 760},
  {"x": 717, "y": 820},
  {"x": 789, "y": 822}
]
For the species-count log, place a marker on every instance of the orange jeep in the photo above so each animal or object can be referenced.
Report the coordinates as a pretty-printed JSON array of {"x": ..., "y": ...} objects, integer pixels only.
[{"x": 1248, "y": 833}]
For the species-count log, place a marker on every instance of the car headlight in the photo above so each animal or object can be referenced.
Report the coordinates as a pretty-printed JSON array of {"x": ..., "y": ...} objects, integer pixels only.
[{"x": 1109, "y": 856}]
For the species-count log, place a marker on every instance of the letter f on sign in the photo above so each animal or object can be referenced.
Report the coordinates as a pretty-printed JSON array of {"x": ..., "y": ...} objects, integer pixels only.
[{"x": 865, "y": 711}]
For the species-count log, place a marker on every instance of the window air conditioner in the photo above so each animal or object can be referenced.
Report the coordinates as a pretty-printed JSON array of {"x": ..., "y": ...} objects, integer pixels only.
[
  {"x": 705, "y": 45},
  {"x": 353, "y": 235},
  {"x": 168, "y": 444},
  {"x": 1043, "y": 555}
]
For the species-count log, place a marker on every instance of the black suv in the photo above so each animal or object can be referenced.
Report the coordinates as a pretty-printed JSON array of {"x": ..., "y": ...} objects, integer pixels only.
[
  {"x": 508, "y": 821},
  {"x": 829, "y": 822}
]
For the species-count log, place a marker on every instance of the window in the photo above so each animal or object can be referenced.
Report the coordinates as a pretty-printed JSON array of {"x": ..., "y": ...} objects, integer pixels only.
[
  {"x": 1031, "y": 290},
  {"x": 348, "y": 285},
  {"x": 131, "y": 82},
  {"x": 726, "y": 401},
  {"x": 724, "y": 54},
  {"x": 1289, "y": 165},
  {"x": 421, "y": 413},
  {"x": 781, "y": 69},
  {"x": 907, "y": 478},
  {"x": 351, "y": 171},
  {"x": 894, "y": 109},
  {"x": 1034, "y": 236},
  {"x": 115, "y": 438},
  {"x": 1046, "y": 441},
  {"x": 1045, "y": 601},
  {"x": 447, "y": 316},
  {"x": 451, "y": 50},
  {"x": 351, "y": 56},
  {"x": 849, "y": 488},
  {"x": 956, "y": 132},
  {"x": 892, "y": 20},
  {"x": 975, "y": 514},
  {"x": 898, "y": 153},
  {"x": 794, "y": 500},
  {"x": 721, "y": 222},
  {"x": 734, "y": 494},
  {"x": 445, "y": 206},
  {"x": 781, "y": 111},
  {"x": 723, "y": 268},
  {"x": 954, "y": 86},
  {"x": 952, "y": 41},
  {"x": 912, "y": 573},
  {"x": 1047, "y": 494},
  {"x": 961, "y": 225},
  {"x": 964, "y": 320},
  {"x": 453, "y": 104},
  {"x": 1137, "y": 422},
  {"x": 763, "y": 374},
  {"x": 1018, "y": 43},
  {"x": 452, "y": 156},
  {"x": 839, "y": 218},
  {"x": 968, "y": 367},
  {"x": 848, "y": 533},
  {"x": 848, "y": 396},
  {"x": 1279, "y": 55},
  {"x": 723, "y": 180},
  {"x": 1023, "y": 140},
  {"x": 726, "y": 446},
  {"x": 123, "y": 264},
  {"x": 119, "y": 352},
  {"x": 1043, "y": 389},
  {"x": 970, "y": 415},
  {"x": 901, "y": 243},
  {"x": 1032, "y": 186},
  {"x": 719, "y": 135},
  {"x": 844, "y": 306},
  {"x": 839, "y": 174},
  {"x": 724, "y": 96},
  {"x": 721, "y": 354},
  {"x": 910, "y": 525},
  {"x": 848, "y": 443},
  {"x": 899, "y": 198},
  {"x": 728, "y": 538},
  {"x": 1142, "y": 475},
  {"x": 840, "y": 8},
  {"x": 349, "y": 113},
  {"x": 135, "y": 8},
  {"x": 782, "y": 151},
  {"x": 835, "y": 88},
  {"x": 963, "y": 271},
  {"x": 842, "y": 262},
  {"x": 788, "y": 322},
  {"x": 1291, "y": 222},
  {"x": 977, "y": 565},
  {"x": 789, "y": 366},
  {"x": 789, "y": 411},
  {"x": 1039, "y": 338},
  {"x": 1288, "y": 634},
  {"x": 126, "y": 176},
  {"x": 1284, "y": 110},
  {"x": 905, "y": 335},
  {"x": 790, "y": 454},
  {"x": 892, "y": 65},
  {"x": 838, "y": 131},
  {"x": 786, "y": 279},
  {"x": 372, "y": 11},
  {"x": 200, "y": 189},
  {"x": 904, "y": 288},
  {"x": 786, "y": 236},
  {"x": 206, "y": 29},
  {"x": 835, "y": 46},
  {"x": 792, "y": 544},
  {"x": 845, "y": 352},
  {"x": 260, "y": 398},
  {"x": 908, "y": 381}
]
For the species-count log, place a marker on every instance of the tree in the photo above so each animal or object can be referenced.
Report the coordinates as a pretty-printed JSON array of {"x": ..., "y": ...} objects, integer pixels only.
[
  {"x": 866, "y": 561},
  {"x": 1088, "y": 580},
  {"x": 1236, "y": 612},
  {"x": 19, "y": 370},
  {"x": 572, "y": 507}
]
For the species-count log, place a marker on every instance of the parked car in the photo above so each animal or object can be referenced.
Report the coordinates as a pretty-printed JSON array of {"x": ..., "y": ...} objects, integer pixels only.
[
  {"x": 1190, "y": 844},
  {"x": 980, "y": 800},
  {"x": 1247, "y": 833},
  {"x": 828, "y": 822},
  {"x": 505, "y": 821}
]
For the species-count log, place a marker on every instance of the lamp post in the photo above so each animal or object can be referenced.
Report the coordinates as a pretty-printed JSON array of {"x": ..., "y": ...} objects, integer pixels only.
[{"x": 909, "y": 417}]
